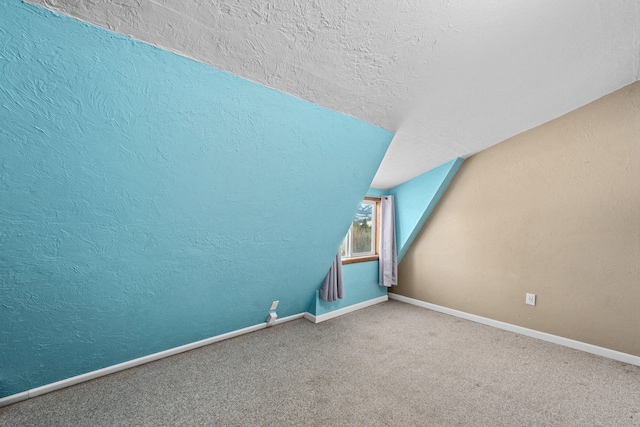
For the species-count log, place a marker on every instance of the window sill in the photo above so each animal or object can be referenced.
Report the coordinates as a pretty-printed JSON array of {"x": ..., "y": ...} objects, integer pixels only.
[{"x": 360, "y": 259}]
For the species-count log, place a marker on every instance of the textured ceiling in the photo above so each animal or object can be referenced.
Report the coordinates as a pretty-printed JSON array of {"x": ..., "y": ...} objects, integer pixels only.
[{"x": 450, "y": 77}]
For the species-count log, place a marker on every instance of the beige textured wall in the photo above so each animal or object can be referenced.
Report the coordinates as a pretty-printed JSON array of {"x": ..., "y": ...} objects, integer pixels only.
[{"x": 554, "y": 211}]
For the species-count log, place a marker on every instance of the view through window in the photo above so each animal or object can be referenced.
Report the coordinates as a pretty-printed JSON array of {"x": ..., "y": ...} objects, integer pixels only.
[{"x": 360, "y": 244}]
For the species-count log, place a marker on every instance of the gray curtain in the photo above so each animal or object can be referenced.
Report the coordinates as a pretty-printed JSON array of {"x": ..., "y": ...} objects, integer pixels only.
[
  {"x": 388, "y": 252},
  {"x": 333, "y": 288}
]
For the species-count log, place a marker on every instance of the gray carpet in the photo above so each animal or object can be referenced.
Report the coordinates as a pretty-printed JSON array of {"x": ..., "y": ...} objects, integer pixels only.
[{"x": 388, "y": 365}]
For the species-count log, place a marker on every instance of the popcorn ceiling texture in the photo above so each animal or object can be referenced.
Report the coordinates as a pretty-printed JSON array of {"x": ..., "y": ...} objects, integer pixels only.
[{"x": 451, "y": 78}]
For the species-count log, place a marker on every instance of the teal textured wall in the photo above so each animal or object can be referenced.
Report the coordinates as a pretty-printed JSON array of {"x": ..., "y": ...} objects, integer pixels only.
[
  {"x": 361, "y": 281},
  {"x": 360, "y": 285},
  {"x": 417, "y": 198},
  {"x": 149, "y": 201}
]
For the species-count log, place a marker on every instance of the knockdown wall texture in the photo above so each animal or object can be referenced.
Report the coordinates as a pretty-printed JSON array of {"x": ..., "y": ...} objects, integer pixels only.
[
  {"x": 554, "y": 211},
  {"x": 149, "y": 201}
]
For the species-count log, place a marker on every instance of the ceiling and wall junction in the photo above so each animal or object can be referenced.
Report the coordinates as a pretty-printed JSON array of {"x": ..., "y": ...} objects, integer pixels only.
[{"x": 451, "y": 78}]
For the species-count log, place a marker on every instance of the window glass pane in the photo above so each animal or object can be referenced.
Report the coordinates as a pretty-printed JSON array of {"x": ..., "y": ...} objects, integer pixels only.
[
  {"x": 362, "y": 230},
  {"x": 343, "y": 247}
]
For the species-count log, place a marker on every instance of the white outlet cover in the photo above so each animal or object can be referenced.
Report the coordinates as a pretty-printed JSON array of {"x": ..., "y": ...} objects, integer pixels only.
[
  {"x": 530, "y": 299},
  {"x": 274, "y": 305}
]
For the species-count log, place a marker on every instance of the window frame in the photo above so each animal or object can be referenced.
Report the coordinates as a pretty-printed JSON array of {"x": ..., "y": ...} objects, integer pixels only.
[{"x": 376, "y": 253}]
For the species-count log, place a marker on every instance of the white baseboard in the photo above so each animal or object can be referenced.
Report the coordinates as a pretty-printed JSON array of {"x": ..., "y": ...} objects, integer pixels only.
[
  {"x": 14, "y": 398},
  {"x": 577, "y": 345},
  {"x": 289, "y": 318},
  {"x": 345, "y": 310}
]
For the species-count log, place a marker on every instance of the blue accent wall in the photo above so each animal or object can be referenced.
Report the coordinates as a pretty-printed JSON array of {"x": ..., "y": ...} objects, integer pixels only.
[
  {"x": 360, "y": 285},
  {"x": 148, "y": 201},
  {"x": 416, "y": 199},
  {"x": 374, "y": 192},
  {"x": 361, "y": 280}
]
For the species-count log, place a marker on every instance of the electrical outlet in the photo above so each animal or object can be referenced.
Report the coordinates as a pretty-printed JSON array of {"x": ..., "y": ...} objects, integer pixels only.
[
  {"x": 274, "y": 305},
  {"x": 530, "y": 299}
]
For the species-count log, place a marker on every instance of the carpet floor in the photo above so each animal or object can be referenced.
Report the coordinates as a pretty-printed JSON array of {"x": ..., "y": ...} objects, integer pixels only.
[{"x": 392, "y": 364}]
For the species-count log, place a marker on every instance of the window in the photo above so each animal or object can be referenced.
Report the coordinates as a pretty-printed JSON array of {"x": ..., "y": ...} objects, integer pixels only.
[{"x": 361, "y": 242}]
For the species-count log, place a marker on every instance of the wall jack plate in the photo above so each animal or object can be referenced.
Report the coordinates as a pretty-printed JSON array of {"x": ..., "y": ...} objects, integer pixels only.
[
  {"x": 530, "y": 299},
  {"x": 274, "y": 305}
]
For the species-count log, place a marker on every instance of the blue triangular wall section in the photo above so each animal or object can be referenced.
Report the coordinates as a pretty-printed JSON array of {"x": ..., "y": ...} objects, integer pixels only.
[{"x": 417, "y": 198}]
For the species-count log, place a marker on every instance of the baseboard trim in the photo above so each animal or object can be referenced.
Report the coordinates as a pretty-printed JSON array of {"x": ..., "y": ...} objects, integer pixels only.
[
  {"x": 345, "y": 310},
  {"x": 289, "y": 318},
  {"x": 577, "y": 345},
  {"x": 14, "y": 398}
]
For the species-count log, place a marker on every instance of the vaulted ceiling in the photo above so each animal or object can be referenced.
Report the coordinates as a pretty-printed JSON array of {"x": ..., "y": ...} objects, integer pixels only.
[{"x": 451, "y": 78}]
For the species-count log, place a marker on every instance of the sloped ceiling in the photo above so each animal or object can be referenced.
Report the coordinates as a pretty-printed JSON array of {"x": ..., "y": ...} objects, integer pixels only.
[{"x": 451, "y": 78}]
